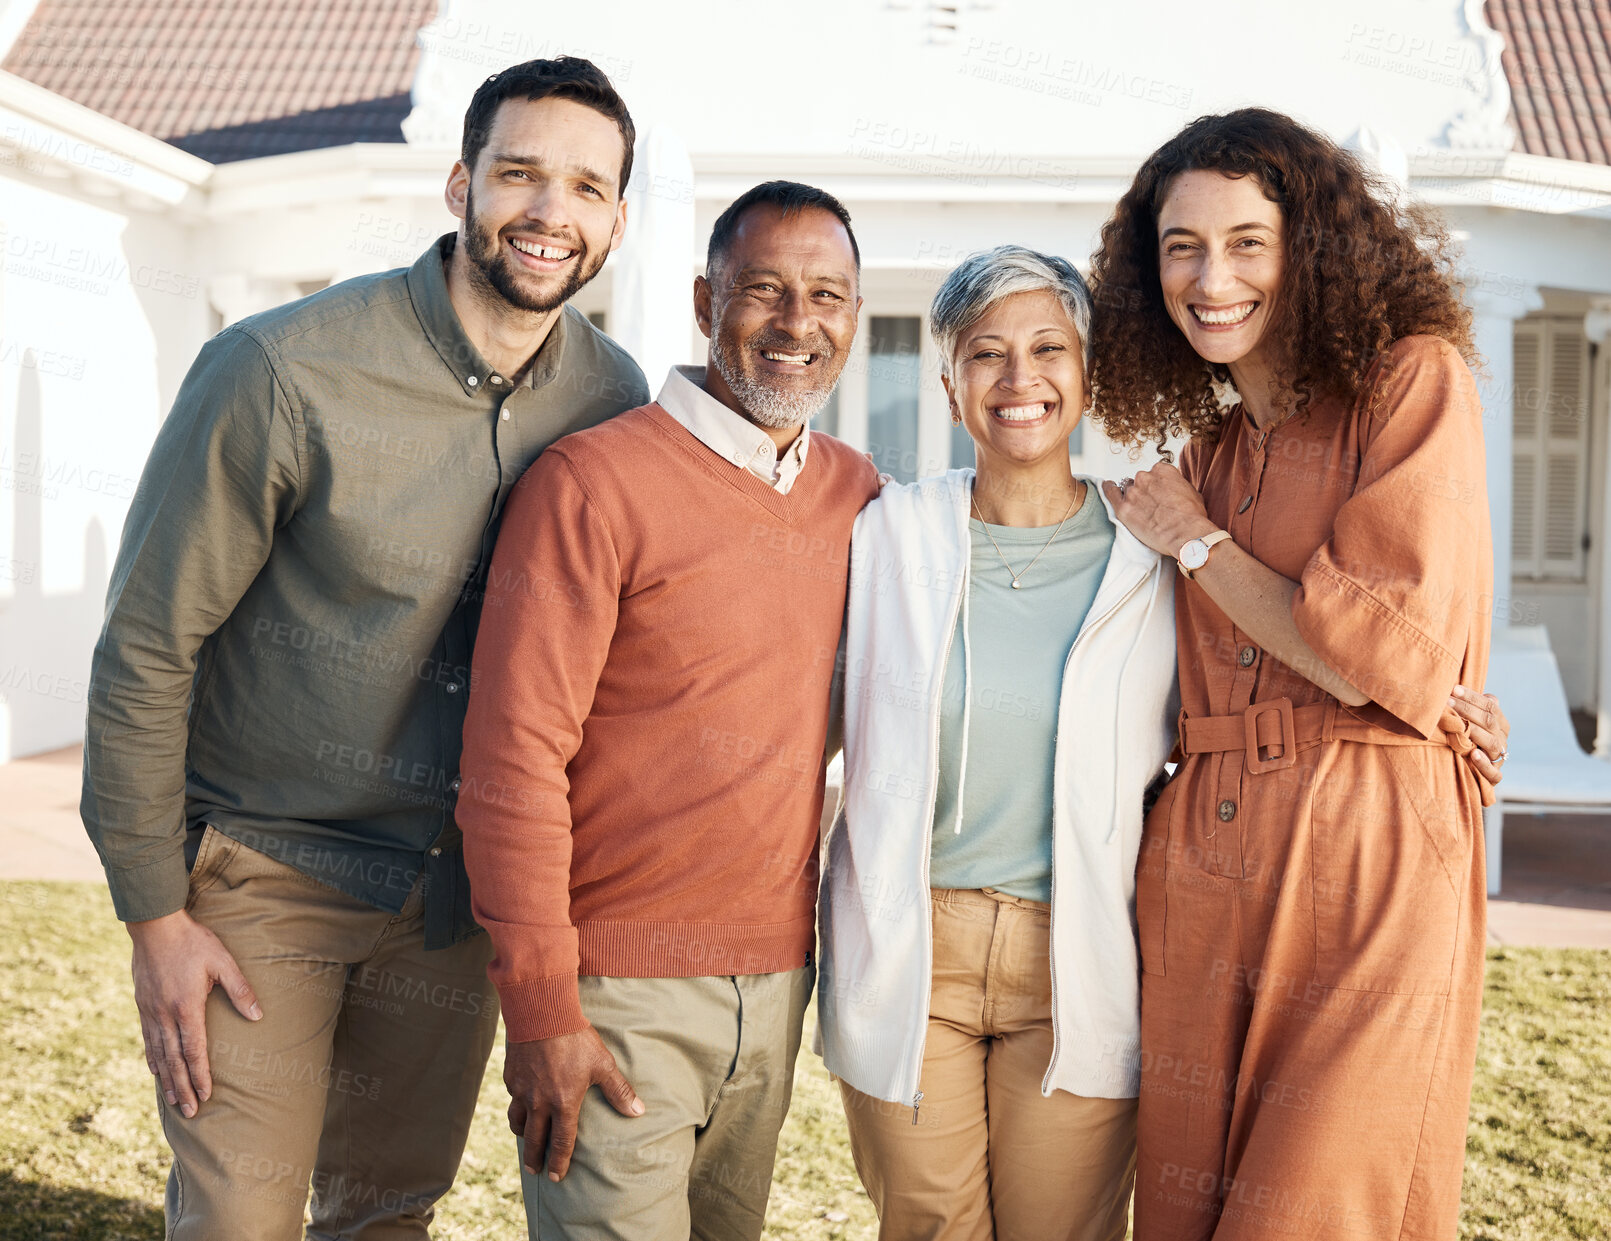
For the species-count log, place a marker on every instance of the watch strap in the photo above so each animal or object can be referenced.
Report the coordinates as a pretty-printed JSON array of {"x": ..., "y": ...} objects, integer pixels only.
[{"x": 1209, "y": 541}]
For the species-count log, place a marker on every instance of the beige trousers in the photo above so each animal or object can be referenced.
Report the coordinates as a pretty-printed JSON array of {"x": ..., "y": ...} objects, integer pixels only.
[
  {"x": 713, "y": 1061},
  {"x": 989, "y": 1157},
  {"x": 360, "y": 1079}
]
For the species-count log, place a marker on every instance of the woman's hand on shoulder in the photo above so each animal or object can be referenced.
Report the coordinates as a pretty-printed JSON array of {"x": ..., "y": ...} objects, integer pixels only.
[
  {"x": 1160, "y": 508},
  {"x": 884, "y": 479}
]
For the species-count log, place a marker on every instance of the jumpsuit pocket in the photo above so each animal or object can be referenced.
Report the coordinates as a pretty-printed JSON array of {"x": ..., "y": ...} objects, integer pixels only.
[
  {"x": 1386, "y": 908},
  {"x": 1152, "y": 879}
]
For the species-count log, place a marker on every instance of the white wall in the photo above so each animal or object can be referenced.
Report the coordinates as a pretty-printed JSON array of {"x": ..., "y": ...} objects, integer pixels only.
[
  {"x": 1013, "y": 79},
  {"x": 98, "y": 315}
]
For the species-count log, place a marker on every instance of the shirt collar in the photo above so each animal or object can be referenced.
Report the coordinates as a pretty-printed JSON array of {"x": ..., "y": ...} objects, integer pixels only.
[
  {"x": 726, "y": 432},
  {"x": 427, "y": 287}
]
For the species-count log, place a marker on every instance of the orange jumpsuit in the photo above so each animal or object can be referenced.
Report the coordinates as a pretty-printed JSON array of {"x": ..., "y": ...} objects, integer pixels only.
[{"x": 1312, "y": 929}]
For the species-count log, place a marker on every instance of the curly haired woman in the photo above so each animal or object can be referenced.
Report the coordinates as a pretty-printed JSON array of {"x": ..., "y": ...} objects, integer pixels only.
[{"x": 1310, "y": 894}]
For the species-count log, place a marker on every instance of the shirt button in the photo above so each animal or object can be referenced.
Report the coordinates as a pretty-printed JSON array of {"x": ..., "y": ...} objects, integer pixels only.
[
  {"x": 1227, "y": 811},
  {"x": 766, "y": 450},
  {"x": 1246, "y": 656},
  {"x": 452, "y": 687},
  {"x": 436, "y": 850},
  {"x": 455, "y": 785},
  {"x": 506, "y": 415},
  {"x": 472, "y": 381},
  {"x": 1242, "y": 507},
  {"x": 497, "y": 379}
]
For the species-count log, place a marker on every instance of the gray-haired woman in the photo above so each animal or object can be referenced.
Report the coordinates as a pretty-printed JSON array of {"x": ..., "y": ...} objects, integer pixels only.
[
  {"x": 1010, "y": 662},
  {"x": 1009, "y": 696}
]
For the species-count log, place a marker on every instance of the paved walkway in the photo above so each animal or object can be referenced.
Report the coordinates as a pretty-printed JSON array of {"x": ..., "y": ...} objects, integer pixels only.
[
  {"x": 1557, "y": 867},
  {"x": 1557, "y": 875},
  {"x": 41, "y": 836}
]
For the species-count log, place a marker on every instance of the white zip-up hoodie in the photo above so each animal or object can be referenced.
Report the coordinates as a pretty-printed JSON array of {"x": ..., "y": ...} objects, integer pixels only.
[{"x": 910, "y": 554}]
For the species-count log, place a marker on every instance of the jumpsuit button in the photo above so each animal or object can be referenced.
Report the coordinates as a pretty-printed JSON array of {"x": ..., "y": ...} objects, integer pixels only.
[
  {"x": 1242, "y": 507},
  {"x": 1227, "y": 811},
  {"x": 1246, "y": 656}
]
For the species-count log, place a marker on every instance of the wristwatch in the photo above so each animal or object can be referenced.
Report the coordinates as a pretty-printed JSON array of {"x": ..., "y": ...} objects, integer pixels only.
[{"x": 1194, "y": 555}]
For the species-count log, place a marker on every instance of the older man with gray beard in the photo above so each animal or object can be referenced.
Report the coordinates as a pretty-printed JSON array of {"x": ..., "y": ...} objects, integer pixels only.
[{"x": 643, "y": 768}]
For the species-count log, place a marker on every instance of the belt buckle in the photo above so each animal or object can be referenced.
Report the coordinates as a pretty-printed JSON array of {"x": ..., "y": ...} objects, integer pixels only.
[{"x": 1289, "y": 737}]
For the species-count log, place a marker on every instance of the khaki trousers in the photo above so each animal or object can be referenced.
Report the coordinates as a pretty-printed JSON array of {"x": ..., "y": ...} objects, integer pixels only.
[
  {"x": 989, "y": 1156},
  {"x": 359, "y": 1080},
  {"x": 713, "y": 1061}
]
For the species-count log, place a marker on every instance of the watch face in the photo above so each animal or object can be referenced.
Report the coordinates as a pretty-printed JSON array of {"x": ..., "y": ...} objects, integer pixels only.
[{"x": 1194, "y": 555}]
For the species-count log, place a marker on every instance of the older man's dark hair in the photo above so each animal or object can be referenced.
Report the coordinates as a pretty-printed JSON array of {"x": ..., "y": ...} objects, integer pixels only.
[
  {"x": 791, "y": 198},
  {"x": 564, "y": 77}
]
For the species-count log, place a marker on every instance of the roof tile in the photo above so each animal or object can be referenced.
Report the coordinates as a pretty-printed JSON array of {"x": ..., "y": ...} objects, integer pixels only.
[
  {"x": 231, "y": 79},
  {"x": 1557, "y": 60}
]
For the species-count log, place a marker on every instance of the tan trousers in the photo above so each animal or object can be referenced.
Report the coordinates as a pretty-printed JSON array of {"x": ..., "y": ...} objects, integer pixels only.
[
  {"x": 989, "y": 1156},
  {"x": 713, "y": 1061},
  {"x": 359, "y": 1080}
]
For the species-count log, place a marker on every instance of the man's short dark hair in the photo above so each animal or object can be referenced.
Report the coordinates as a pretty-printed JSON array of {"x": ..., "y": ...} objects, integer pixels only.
[
  {"x": 565, "y": 77},
  {"x": 791, "y": 198}
]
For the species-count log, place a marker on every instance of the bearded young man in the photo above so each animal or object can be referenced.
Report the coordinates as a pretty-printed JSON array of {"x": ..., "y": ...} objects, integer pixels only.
[
  {"x": 272, "y": 757},
  {"x": 644, "y": 750}
]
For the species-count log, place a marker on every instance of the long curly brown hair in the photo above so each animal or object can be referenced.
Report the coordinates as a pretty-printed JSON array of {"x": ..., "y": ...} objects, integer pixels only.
[{"x": 1361, "y": 272}]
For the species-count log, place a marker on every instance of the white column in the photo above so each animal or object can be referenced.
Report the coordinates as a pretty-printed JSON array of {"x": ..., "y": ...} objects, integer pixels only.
[
  {"x": 1493, "y": 325},
  {"x": 933, "y": 411},
  {"x": 1597, "y": 327},
  {"x": 652, "y": 296}
]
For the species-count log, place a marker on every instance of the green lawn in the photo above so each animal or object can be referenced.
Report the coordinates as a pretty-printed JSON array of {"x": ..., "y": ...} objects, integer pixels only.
[{"x": 81, "y": 1156}]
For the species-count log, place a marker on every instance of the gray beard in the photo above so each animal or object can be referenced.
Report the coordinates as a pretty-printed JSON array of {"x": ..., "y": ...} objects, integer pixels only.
[{"x": 767, "y": 405}]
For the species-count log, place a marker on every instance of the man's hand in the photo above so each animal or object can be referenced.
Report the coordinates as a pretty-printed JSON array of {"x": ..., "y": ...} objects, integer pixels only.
[
  {"x": 1160, "y": 508},
  {"x": 547, "y": 1079},
  {"x": 177, "y": 961}
]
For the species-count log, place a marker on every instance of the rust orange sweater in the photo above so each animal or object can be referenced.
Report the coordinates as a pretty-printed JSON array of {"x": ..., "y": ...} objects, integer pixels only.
[{"x": 642, "y": 772}]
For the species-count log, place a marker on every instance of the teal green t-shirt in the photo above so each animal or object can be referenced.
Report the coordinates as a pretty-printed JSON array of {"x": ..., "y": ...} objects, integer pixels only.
[{"x": 1019, "y": 642}]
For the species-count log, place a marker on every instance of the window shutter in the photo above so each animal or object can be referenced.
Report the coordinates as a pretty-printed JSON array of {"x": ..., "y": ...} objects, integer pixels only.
[
  {"x": 1550, "y": 466},
  {"x": 1524, "y": 497}
]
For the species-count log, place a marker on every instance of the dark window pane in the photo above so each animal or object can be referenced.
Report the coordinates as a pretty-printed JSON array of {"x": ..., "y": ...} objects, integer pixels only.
[
  {"x": 893, "y": 374},
  {"x": 961, "y": 447},
  {"x": 826, "y": 419}
]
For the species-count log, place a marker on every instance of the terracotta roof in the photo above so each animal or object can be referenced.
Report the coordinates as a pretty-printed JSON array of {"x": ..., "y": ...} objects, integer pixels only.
[
  {"x": 232, "y": 79},
  {"x": 1557, "y": 60}
]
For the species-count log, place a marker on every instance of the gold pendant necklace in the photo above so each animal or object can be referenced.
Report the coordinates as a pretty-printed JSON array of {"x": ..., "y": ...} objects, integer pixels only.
[{"x": 1016, "y": 576}]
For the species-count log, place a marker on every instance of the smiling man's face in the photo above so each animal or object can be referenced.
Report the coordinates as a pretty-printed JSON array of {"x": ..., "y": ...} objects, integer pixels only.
[
  {"x": 542, "y": 207},
  {"x": 780, "y": 310}
]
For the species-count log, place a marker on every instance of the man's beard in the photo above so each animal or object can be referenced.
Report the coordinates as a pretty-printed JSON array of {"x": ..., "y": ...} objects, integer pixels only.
[
  {"x": 492, "y": 268},
  {"x": 775, "y": 407}
]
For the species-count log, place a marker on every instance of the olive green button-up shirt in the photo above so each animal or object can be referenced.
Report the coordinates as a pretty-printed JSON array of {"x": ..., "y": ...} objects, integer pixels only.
[{"x": 286, "y": 653}]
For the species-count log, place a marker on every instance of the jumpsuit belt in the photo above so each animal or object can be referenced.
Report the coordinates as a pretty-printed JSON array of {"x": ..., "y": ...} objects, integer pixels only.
[{"x": 1269, "y": 733}]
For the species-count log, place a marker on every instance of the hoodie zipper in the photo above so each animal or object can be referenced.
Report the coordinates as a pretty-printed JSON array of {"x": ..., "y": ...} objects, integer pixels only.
[{"x": 1051, "y": 933}]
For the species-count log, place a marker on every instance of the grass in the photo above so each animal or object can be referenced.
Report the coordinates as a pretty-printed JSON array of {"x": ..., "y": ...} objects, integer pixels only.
[{"x": 83, "y": 1157}]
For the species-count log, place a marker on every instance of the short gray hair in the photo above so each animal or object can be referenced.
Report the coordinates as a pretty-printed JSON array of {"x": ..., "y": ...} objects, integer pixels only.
[{"x": 983, "y": 279}]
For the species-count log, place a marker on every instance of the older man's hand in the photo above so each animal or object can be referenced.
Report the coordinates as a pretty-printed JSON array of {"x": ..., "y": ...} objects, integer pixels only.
[{"x": 547, "y": 1080}]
